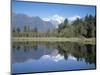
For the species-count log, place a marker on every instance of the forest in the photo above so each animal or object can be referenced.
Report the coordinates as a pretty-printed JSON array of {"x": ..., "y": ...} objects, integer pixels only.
[{"x": 81, "y": 27}]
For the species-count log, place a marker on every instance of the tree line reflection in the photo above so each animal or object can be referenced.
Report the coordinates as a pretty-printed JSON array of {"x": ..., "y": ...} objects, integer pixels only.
[{"x": 22, "y": 51}]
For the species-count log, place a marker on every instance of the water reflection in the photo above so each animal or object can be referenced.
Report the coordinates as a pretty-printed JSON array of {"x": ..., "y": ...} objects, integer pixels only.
[{"x": 40, "y": 57}]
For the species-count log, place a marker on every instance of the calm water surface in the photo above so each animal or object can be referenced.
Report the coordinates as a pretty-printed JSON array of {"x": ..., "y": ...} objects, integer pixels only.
[{"x": 42, "y": 57}]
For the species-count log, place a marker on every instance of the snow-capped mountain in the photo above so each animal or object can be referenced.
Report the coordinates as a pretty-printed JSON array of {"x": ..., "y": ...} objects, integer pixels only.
[{"x": 55, "y": 20}]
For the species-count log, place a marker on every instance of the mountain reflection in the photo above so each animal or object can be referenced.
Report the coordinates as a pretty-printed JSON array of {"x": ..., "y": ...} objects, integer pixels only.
[{"x": 24, "y": 51}]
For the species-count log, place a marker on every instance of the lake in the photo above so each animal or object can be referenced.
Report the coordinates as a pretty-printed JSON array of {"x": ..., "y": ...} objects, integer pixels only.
[{"x": 35, "y": 57}]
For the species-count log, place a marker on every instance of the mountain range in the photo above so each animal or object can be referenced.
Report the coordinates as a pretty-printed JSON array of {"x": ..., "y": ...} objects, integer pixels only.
[{"x": 21, "y": 20}]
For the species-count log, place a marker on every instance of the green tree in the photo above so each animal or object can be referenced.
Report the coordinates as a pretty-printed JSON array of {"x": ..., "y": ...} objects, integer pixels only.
[{"x": 90, "y": 22}]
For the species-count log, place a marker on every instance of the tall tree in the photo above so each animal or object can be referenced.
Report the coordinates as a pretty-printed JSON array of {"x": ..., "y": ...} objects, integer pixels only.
[
  {"x": 18, "y": 29},
  {"x": 90, "y": 22},
  {"x": 27, "y": 29}
]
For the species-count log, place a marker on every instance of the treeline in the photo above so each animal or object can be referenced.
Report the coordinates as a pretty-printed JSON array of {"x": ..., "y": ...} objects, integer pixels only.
[{"x": 81, "y": 27}]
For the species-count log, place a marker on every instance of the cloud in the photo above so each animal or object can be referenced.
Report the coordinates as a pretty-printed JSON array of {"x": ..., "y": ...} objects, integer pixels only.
[
  {"x": 55, "y": 19},
  {"x": 74, "y": 18}
]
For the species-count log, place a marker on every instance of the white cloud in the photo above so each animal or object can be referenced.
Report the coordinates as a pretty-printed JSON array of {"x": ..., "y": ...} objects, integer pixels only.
[
  {"x": 73, "y": 18},
  {"x": 55, "y": 19}
]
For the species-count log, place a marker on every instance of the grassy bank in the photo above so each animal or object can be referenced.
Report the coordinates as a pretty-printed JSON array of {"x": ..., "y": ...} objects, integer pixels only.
[{"x": 54, "y": 39}]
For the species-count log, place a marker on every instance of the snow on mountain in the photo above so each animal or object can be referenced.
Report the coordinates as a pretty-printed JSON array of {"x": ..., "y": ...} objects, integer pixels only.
[
  {"x": 73, "y": 18},
  {"x": 55, "y": 20}
]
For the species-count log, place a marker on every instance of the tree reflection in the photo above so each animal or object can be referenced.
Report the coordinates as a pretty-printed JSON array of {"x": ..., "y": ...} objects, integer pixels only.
[{"x": 78, "y": 50}]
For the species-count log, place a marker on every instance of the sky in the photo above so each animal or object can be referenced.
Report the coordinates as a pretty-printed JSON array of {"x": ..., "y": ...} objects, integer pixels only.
[{"x": 49, "y": 10}]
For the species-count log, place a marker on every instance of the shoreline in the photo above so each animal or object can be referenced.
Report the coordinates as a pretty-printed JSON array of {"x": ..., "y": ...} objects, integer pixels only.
[{"x": 54, "y": 39}]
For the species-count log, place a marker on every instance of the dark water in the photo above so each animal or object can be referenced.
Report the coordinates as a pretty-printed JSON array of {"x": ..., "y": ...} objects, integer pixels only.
[{"x": 42, "y": 57}]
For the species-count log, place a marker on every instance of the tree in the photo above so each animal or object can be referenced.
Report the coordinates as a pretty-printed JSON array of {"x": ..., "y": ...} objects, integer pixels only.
[
  {"x": 78, "y": 23},
  {"x": 35, "y": 30},
  {"x": 27, "y": 29},
  {"x": 65, "y": 23},
  {"x": 90, "y": 22},
  {"x": 13, "y": 29},
  {"x": 62, "y": 27},
  {"x": 18, "y": 29}
]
